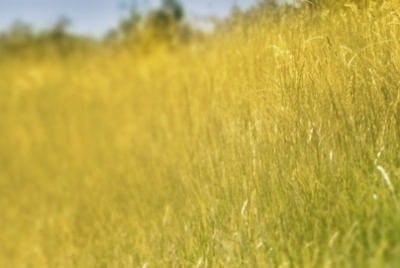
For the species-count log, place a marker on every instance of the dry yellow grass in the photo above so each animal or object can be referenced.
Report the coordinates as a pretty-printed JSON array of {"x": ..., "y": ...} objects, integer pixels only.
[{"x": 263, "y": 147}]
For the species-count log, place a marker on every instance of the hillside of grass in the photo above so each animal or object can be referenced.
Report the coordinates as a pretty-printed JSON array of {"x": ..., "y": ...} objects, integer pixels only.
[{"x": 275, "y": 143}]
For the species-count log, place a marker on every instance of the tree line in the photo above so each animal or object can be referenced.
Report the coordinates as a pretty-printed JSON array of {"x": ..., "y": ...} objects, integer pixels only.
[{"x": 164, "y": 25}]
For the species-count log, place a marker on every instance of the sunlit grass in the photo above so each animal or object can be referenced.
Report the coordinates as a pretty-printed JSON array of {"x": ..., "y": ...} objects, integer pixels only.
[{"x": 276, "y": 145}]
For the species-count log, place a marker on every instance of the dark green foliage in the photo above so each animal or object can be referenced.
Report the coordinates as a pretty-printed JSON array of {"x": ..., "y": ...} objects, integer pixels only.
[{"x": 174, "y": 8}]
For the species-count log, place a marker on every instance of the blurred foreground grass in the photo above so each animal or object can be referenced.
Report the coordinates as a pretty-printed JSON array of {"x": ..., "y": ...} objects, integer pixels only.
[{"x": 277, "y": 145}]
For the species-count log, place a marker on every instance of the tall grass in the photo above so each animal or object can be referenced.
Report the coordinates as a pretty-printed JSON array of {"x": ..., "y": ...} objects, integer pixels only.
[{"x": 274, "y": 145}]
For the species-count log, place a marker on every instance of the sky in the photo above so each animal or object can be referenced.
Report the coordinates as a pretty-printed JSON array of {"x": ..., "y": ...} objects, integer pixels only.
[{"x": 96, "y": 17}]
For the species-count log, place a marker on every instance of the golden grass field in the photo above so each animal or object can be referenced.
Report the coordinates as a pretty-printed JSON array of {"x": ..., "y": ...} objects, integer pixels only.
[{"x": 276, "y": 144}]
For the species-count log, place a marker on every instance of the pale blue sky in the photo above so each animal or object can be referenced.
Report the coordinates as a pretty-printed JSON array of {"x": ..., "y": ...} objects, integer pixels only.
[{"x": 95, "y": 17}]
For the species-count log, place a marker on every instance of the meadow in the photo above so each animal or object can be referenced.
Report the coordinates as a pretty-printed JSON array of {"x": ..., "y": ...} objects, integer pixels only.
[{"x": 275, "y": 143}]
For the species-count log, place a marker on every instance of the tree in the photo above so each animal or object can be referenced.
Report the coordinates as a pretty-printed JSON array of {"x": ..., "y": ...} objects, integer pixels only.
[
  {"x": 59, "y": 29},
  {"x": 165, "y": 23},
  {"x": 19, "y": 32},
  {"x": 173, "y": 8},
  {"x": 130, "y": 26}
]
